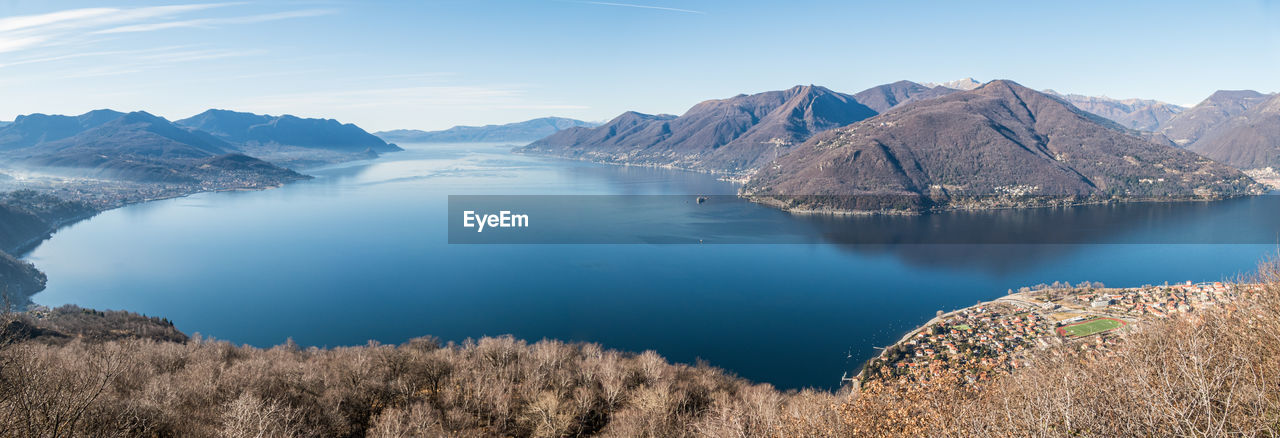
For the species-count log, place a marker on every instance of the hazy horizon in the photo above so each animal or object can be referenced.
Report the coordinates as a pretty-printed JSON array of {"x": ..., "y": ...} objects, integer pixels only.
[{"x": 439, "y": 64}]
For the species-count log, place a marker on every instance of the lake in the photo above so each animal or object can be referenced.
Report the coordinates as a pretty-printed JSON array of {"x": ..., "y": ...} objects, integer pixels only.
[{"x": 623, "y": 256}]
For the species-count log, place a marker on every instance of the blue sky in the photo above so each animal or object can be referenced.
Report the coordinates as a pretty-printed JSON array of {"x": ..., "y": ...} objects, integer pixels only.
[{"x": 434, "y": 64}]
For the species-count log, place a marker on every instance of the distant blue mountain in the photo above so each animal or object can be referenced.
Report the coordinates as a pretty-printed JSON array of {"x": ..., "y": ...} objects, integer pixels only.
[
  {"x": 137, "y": 133},
  {"x": 263, "y": 130},
  {"x": 525, "y": 131},
  {"x": 112, "y": 140},
  {"x": 135, "y": 146},
  {"x": 30, "y": 130}
]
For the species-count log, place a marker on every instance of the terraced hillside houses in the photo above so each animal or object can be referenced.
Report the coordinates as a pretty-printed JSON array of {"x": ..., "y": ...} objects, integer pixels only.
[{"x": 972, "y": 345}]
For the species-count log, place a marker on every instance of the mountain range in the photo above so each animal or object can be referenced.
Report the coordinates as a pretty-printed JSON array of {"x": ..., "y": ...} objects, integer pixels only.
[
  {"x": 1000, "y": 145},
  {"x": 735, "y": 135},
  {"x": 520, "y": 132},
  {"x": 249, "y": 130},
  {"x": 143, "y": 147},
  {"x": 1236, "y": 127},
  {"x": 728, "y": 135},
  {"x": 29, "y": 130},
  {"x": 882, "y": 98},
  {"x": 1139, "y": 114},
  {"x": 132, "y": 146},
  {"x": 965, "y": 84},
  {"x": 135, "y": 146},
  {"x": 1188, "y": 126},
  {"x": 747, "y": 135},
  {"x": 1247, "y": 140},
  {"x": 288, "y": 140}
]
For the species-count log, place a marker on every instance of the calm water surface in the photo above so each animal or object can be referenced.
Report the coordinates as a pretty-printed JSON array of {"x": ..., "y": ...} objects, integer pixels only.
[{"x": 362, "y": 253}]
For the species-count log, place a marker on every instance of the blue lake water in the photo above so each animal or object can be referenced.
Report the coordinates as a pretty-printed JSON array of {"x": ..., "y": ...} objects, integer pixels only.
[{"x": 362, "y": 252}]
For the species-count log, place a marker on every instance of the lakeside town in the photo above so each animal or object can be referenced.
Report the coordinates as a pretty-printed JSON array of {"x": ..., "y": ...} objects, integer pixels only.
[
  {"x": 976, "y": 343},
  {"x": 104, "y": 193}
]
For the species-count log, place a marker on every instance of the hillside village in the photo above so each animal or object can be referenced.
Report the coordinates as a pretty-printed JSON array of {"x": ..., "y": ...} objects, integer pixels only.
[{"x": 974, "y": 344}]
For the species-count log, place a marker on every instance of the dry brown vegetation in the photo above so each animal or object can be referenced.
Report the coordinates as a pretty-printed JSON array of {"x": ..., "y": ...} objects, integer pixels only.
[
  {"x": 1214, "y": 374},
  {"x": 490, "y": 387}
]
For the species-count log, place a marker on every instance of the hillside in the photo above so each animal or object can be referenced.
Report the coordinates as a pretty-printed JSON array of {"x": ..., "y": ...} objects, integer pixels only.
[
  {"x": 284, "y": 140},
  {"x": 19, "y": 279},
  {"x": 19, "y": 227},
  {"x": 27, "y": 218},
  {"x": 136, "y": 146},
  {"x": 1188, "y": 126},
  {"x": 734, "y": 135},
  {"x": 63, "y": 324},
  {"x": 519, "y": 132},
  {"x": 135, "y": 133},
  {"x": 1250, "y": 140},
  {"x": 1001, "y": 145},
  {"x": 32, "y": 129},
  {"x": 882, "y": 98},
  {"x": 288, "y": 140},
  {"x": 1139, "y": 114}
]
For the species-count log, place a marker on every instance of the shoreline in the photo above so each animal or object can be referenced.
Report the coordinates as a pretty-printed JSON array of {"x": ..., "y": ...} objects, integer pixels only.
[
  {"x": 25, "y": 249},
  {"x": 772, "y": 202},
  {"x": 733, "y": 177},
  {"x": 938, "y": 318},
  {"x": 22, "y": 250},
  {"x": 740, "y": 179}
]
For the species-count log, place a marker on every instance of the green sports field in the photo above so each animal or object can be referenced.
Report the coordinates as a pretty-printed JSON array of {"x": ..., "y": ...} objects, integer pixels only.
[{"x": 1090, "y": 327}]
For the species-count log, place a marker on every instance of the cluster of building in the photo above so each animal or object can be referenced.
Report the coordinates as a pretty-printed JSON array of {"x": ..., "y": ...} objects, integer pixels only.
[
  {"x": 966, "y": 346},
  {"x": 1155, "y": 301},
  {"x": 976, "y": 343},
  {"x": 105, "y": 194}
]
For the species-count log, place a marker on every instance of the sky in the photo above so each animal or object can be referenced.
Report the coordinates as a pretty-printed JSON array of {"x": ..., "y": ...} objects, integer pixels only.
[{"x": 436, "y": 64}]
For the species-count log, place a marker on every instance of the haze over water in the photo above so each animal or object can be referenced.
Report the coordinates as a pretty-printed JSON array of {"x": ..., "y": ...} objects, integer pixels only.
[{"x": 361, "y": 252}]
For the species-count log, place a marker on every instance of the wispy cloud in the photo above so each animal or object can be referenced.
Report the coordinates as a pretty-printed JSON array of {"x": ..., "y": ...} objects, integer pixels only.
[
  {"x": 195, "y": 55},
  {"x": 77, "y": 26},
  {"x": 26, "y": 32},
  {"x": 419, "y": 95},
  {"x": 631, "y": 5},
  {"x": 16, "y": 44},
  {"x": 543, "y": 107},
  {"x": 90, "y": 54},
  {"x": 94, "y": 72},
  {"x": 267, "y": 74},
  {"x": 414, "y": 76},
  {"x": 215, "y": 22},
  {"x": 123, "y": 62},
  {"x": 451, "y": 96},
  {"x": 23, "y": 22}
]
